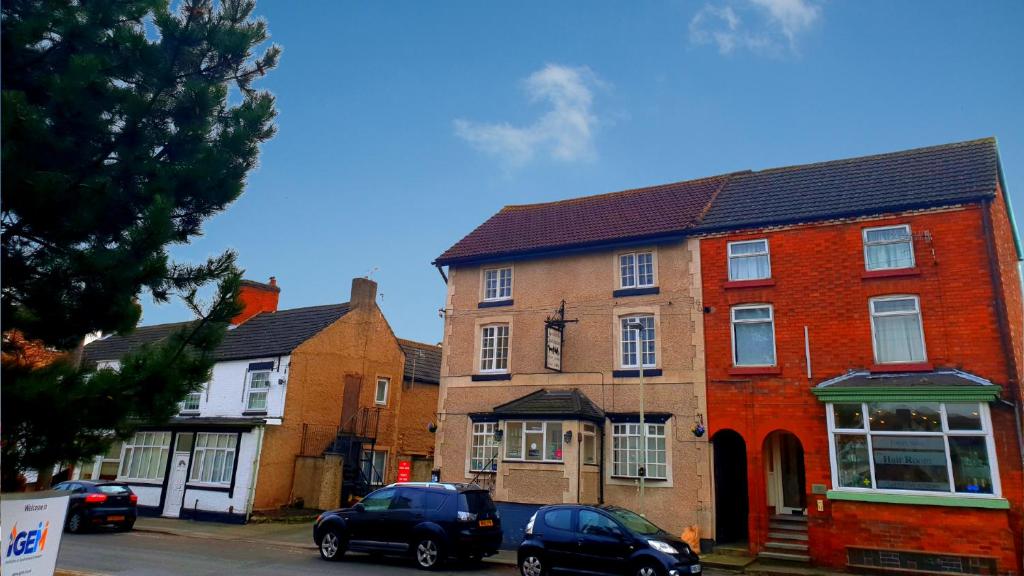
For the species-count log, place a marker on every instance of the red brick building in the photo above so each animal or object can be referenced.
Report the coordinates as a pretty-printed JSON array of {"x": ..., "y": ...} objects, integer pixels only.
[{"x": 863, "y": 328}]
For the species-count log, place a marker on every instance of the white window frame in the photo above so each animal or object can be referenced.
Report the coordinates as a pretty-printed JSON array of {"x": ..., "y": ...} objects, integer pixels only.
[
  {"x": 144, "y": 445},
  {"x": 767, "y": 254},
  {"x": 482, "y": 443},
  {"x": 626, "y": 335},
  {"x": 200, "y": 473},
  {"x": 501, "y": 290},
  {"x": 522, "y": 441},
  {"x": 382, "y": 471},
  {"x": 635, "y": 269},
  {"x": 377, "y": 393},
  {"x": 251, "y": 392},
  {"x": 945, "y": 433},
  {"x": 490, "y": 364},
  {"x": 920, "y": 325},
  {"x": 185, "y": 404},
  {"x": 867, "y": 244},
  {"x": 616, "y": 434},
  {"x": 732, "y": 331}
]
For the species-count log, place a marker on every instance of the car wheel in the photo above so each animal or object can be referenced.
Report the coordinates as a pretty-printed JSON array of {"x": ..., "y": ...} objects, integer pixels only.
[
  {"x": 331, "y": 545},
  {"x": 76, "y": 523},
  {"x": 648, "y": 570},
  {"x": 429, "y": 555},
  {"x": 532, "y": 565}
]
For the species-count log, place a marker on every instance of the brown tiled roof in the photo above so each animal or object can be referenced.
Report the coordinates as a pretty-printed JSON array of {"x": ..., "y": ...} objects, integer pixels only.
[
  {"x": 422, "y": 361},
  {"x": 906, "y": 180},
  {"x": 589, "y": 221}
]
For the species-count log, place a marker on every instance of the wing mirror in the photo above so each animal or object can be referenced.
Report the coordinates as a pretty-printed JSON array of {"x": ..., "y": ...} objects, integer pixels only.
[{"x": 359, "y": 507}]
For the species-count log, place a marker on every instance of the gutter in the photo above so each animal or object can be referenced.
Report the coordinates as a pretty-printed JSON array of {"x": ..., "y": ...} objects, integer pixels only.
[{"x": 441, "y": 271}]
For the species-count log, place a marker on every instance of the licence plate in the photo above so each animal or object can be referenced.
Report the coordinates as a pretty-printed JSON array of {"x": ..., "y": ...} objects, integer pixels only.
[
  {"x": 115, "y": 518},
  {"x": 486, "y": 523},
  {"x": 695, "y": 569}
]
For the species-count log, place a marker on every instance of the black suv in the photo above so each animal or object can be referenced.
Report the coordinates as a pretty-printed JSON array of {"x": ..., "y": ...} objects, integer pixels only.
[
  {"x": 99, "y": 503},
  {"x": 601, "y": 540},
  {"x": 429, "y": 521}
]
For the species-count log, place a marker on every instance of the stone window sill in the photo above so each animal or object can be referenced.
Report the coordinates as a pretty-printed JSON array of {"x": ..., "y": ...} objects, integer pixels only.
[
  {"x": 490, "y": 377},
  {"x": 635, "y": 291},
  {"x": 755, "y": 371},
  {"x": 896, "y": 273},
  {"x": 495, "y": 303},
  {"x": 763, "y": 283}
]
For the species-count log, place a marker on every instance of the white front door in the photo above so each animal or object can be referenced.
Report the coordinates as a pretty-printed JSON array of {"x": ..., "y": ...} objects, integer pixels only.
[
  {"x": 785, "y": 469},
  {"x": 176, "y": 484}
]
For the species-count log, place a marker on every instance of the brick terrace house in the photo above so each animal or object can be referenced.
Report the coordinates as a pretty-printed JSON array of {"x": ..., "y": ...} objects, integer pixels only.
[
  {"x": 863, "y": 325},
  {"x": 287, "y": 385},
  {"x": 617, "y": 281}
]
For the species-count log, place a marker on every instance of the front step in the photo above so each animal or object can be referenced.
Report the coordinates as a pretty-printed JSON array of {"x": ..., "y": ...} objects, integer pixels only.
[
  {"x": 786, "y": 546},
  {"x": 787, "y": 535},
  {"x": 787, "y": 556}
]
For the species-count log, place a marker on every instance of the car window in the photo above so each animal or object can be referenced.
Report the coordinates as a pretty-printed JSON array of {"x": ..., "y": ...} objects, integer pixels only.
[
  {"x": 62, "y": 486},
  {"x": 596, "y": 524},
  {"x": 114, "y": 489},
  {"x": 434, "y": 500},
  {"x": 79, "y": 489},
  {"x": 408, "y": 499},
  {"x": 379, "y": 500},
  {"x": 476, "y": 501},
  {"x": 559, "y": 519}
]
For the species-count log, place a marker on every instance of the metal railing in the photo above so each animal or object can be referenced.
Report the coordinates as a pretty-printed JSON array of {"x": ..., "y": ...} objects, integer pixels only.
[{"x": 317, "y": 438}]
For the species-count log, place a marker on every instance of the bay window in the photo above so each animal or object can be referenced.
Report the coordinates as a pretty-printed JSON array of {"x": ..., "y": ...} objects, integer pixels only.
[
  {"x": 888, "y": 248},
  {"x": 145, "y": 456},
  {"x": 629, "y": 337},
  {"x": 753, "y": 335},
  {"x": 937, "y": 447},
  {"x": 214, "y": 459},
  {"x": 494, "y": 348},
  {"x": 627, "y": 457},
  {"x": 483, "y": 449},
  {"x": 536, "y": 441},
  {"x": 896, "y": 328},
  {"x": 749, "y": 260}
]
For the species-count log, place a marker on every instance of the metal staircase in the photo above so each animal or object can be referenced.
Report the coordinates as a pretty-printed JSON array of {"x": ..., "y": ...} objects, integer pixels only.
[{"x": 355, "y": 442}]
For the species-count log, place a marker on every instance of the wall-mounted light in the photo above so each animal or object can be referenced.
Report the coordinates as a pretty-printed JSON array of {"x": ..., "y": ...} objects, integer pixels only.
[
  {"x": 498, "y": 434},
  {"x": 567, "y": 436}
]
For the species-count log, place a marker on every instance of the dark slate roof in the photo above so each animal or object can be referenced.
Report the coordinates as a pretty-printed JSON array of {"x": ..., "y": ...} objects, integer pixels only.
[
  {"x": 264, "y": 335},
  {"x": 863, "y": 379},
  {"x": 910, "y": 179},
  {"x": 545, "y": 402},
  {"x": 642, "y": 213},
  {"x": 422, "y": 361}
]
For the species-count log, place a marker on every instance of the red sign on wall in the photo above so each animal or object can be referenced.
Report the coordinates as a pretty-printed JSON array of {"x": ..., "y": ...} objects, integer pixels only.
[{"x": 404, "y": 470}]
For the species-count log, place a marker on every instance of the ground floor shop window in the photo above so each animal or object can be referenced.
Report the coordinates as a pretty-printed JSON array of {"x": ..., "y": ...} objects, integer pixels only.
[
  {"x": 536, "y": 441},
  {"x": 484, "y": 449},
  {"x": 145, "y": 456},
  {"x": 941, "y": 447},
  {"x": 626, "y": 456}
]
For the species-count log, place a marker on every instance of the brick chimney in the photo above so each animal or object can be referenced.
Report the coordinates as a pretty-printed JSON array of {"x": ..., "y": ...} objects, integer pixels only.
[
  {"x": 256, "y": 297},
  {"x": 364, "y": 293}
]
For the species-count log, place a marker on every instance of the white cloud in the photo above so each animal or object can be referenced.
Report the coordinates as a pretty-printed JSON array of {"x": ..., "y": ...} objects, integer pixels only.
[
  {"x": 764, "y": 26},
  {"x": 565, "y": 132}
]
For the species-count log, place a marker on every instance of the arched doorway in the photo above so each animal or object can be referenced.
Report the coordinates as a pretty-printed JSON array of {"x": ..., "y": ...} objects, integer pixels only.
[
  {"x": 730, "y": 456},
  {"x": 784, "y": 473}
]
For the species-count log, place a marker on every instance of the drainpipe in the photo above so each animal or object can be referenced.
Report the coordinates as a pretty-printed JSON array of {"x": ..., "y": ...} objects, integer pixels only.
[
  {"x": 440, "y": 271},
  {"x": 1004, "y": 329}
]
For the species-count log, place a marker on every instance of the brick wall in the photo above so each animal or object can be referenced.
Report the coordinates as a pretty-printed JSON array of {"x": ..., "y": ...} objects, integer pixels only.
[{"x": 818, "y": 274}]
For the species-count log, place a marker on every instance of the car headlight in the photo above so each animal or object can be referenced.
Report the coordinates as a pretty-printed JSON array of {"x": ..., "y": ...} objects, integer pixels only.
[{"x": 662, "y": 547}]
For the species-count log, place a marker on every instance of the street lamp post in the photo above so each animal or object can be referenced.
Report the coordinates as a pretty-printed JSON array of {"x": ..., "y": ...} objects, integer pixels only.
[{"x": 639, "y": 328}]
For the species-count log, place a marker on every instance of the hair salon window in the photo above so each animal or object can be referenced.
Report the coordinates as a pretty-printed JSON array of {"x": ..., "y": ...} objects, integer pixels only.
[
  {"x": 918, "y": 446},
  {"x": 536, "y": 441}
]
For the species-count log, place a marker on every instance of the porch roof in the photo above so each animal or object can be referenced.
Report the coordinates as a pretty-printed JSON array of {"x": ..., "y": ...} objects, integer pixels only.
[
  {"x": 938, "y": 385},
  {"x": 544, "y": 403}
]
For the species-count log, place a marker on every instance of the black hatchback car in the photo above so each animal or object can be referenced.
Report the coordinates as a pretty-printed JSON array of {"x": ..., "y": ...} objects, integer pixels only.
[
  {"x": 99, "y": 503},
  {"x": 428, "y": 521},
  {"x": 601, "y": 540}
]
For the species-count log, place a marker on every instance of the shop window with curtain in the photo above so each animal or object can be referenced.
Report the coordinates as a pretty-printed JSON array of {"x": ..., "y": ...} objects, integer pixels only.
[
  {"x": 888, "y": 248},
  {"x": 934, "y": 447},
  {"x": 897, "y": 330},
  {"x": 749, "y": 260},
  {"x": 753, "y": 335}
]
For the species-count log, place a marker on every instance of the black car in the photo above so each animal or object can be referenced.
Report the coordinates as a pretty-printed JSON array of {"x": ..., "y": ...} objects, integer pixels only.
[
  {"x": 601, "y": 540},
  {"x": 98, "y": 504},
  {"x": 428, "y": 521}
]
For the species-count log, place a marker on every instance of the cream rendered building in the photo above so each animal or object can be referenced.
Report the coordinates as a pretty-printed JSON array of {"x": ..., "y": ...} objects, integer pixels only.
[{"x": 535, "y": 435}]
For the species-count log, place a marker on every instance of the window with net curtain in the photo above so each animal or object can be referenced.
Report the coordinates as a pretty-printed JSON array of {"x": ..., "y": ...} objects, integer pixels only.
[
  {"x": 753, "y": 335},
  {"x": 888, "y": 248},
  {"x": 749, "y": 260},
  {"x": 896, "y": 325}
]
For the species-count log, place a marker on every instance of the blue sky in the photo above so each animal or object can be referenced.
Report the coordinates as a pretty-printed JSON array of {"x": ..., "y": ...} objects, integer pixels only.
[{"x": 403, "y": 125}]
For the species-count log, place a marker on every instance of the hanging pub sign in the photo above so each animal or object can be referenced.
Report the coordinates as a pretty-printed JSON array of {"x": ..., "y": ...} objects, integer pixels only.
[{"x": 553, "y": 347}]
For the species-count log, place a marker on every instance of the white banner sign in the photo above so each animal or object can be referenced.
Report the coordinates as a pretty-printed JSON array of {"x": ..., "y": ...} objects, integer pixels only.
[
  {"x": 32, "y": 526},
  {"x": 553, "y": 348}
]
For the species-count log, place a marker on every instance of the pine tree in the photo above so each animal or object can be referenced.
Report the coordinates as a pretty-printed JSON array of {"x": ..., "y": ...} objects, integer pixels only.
[{"x": 125, "y": 125}]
